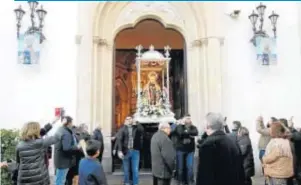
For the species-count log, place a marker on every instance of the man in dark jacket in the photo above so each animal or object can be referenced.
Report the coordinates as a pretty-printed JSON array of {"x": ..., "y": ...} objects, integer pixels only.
[
  {"x": 246, "y": 150},
  {"x": 97, "y": 135},
  {"x": 220, "y": 160},
  {"x": 295, "y": 137},
  {"x": 129, "y": 146},
  {"x": 173, "y": 135},
  {"x": 81, "y": 133},
  {"x": 185, "y": 150},
  {"x": 236, "y": 127},
  {"x": 163, "y": 155},
  {"x": 65, "y": 151}
]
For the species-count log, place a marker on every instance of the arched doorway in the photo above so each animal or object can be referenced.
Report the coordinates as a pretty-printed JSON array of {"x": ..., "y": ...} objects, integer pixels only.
[
  {"x": 147, "y": 32},
  {"x": 195, "y": 21}
]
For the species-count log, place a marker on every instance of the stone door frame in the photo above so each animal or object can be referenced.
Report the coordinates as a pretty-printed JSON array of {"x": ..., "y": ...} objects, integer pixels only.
[{"x": 203, "y": 44}]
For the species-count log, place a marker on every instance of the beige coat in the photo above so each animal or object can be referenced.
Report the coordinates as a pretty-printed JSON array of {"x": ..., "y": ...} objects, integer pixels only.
[
  {"x": 278, "y": 160},
  {"x": 264, "y": 135}
]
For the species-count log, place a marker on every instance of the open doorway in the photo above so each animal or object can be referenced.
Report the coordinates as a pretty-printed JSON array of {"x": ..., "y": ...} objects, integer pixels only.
[{"x": 147, "y": 32}]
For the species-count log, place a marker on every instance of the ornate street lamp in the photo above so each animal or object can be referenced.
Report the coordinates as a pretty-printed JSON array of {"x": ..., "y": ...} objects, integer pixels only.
[
  {"x": 40, "y": 12},
  {"x": 260, "y": 14},
  {"x": 274, "y": 17},
  {"x": 19, "y": 15}
]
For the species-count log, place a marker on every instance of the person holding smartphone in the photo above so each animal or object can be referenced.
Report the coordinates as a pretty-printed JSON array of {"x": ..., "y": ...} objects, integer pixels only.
[{"x": 185, "y": 148}]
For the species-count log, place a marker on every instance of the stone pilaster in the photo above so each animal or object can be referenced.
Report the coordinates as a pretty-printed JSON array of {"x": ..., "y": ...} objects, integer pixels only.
[
  {"x": 213, "y": 64},
  {"x": 101, "y": 97},
  {"x": 194, "y": 82}
]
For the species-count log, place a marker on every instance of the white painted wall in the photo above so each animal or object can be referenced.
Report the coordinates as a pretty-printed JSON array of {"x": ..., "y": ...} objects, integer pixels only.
[
  {"x": 84, "y": 60},
  {"x": 249, "y": 89},
  {"x": 32, "y": 92}
]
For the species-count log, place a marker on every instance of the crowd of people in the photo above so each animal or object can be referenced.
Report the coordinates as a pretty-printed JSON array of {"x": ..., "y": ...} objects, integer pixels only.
[
  {"x": 224, "y": 157},
  {"x": 76, "y": 154}
]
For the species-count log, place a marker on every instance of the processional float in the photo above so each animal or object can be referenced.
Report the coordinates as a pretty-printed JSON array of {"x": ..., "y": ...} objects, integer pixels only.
[{"x": 153, "y": 101}]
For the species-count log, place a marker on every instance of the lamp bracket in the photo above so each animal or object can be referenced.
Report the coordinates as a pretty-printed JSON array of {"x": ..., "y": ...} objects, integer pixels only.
[{"x": 259, "y": 33}]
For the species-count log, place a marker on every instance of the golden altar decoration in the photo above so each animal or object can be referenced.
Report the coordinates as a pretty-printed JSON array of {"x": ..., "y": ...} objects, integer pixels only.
[{"x": 153, "y": 103}]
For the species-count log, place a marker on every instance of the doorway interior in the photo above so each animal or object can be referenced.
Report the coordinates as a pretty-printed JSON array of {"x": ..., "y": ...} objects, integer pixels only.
[{"x": 147, "y": 32}]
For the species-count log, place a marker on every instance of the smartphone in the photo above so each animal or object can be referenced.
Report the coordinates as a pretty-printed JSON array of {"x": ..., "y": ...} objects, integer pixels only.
[
  {"x": 58, "y": 112},
  {"x": 225, "y": 119}
]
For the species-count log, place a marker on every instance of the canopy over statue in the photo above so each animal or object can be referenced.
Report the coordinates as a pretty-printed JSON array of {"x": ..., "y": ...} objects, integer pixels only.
[{"x": 153, "y": 103}]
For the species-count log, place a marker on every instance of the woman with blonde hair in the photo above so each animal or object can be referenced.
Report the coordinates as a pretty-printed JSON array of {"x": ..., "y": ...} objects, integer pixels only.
[
  {"x": 31, "y": 150},
  {"x": 278, "y": 159}
]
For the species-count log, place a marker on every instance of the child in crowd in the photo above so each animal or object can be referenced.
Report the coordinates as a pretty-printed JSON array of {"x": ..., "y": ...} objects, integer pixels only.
[{"x": 90, "y": 169}]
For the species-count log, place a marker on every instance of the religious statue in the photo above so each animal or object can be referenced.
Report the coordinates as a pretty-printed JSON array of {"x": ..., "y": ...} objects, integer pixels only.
[
  {"x": 153, "y": 104},
  {"x": 152, "y": 91}
]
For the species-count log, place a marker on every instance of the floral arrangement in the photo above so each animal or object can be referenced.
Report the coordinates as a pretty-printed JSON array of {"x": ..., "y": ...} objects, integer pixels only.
[{"x": 161, "y": 109}]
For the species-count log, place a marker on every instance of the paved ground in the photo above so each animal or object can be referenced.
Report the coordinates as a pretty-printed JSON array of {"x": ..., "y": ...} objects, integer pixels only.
[{"x": 147, "y": 180}]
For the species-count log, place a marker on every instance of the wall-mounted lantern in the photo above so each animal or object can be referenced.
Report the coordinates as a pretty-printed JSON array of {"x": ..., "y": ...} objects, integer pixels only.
[
  {"x": 34, "y": 11},
  {"x": 260, "y": 14}
]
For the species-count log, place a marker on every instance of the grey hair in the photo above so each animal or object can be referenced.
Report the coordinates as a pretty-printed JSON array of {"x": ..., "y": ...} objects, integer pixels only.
[
  {"x": 163, "y": 125},
  {"x": 83, "y": 126},
  {"x": 215, "y": 121},
  {"x": 243, "y": 131}
]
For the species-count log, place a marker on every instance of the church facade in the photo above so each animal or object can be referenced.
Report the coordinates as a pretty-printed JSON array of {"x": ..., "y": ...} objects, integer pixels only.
[{"x": 77, "y": 67}]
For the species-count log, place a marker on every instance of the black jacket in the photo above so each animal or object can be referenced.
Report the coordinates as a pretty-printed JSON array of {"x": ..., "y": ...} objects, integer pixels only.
[
  {"x": 43, "y": 133},
  {"x": 79, "y": 135},
  {"x": 65, "y": 150},
  {"x": 296, "y": 142},
  {"x": 185, "y": 137},
  {"x": 163, "y": 155},
  {"x": 123, "y": 138},
  {"x": 246, "y": 150},
  {"x": 32, "y": 169},
  {"x": 296, "y": 139},
  {"x": 173, "y": 135},
  {"x": 97, "y": 135},
  {"x": 220, "y": 161},
  {"x": 232, "y": 135}
]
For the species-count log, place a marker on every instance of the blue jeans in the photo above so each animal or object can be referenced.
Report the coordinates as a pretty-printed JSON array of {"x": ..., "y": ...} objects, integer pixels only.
[
  {"x": 261, "y": 154},
  {"x": 60, "y": 176},
  {"x": 131, "y": 158},
  {"x": 182, "y": 159}
]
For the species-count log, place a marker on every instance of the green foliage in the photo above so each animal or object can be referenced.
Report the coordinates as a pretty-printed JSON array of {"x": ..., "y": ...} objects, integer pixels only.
[{"x": 9, "y": 140}]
